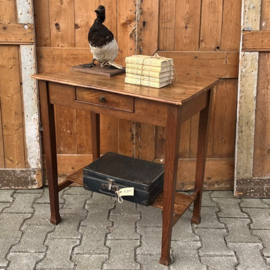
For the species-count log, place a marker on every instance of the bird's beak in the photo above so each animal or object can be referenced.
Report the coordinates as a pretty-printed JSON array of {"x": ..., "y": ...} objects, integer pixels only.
[{"x": 97, "y": 11}]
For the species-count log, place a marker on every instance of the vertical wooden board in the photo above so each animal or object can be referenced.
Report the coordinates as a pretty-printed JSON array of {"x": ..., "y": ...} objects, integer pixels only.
[
  {"x": 265, "y": 15},
  {"x": 231, "y": 25},
  {"x": 251, "y": 15},
  {"x": 185, "y": 140},
  {"x": 147, "y": 27},
  {"x": 224, "y": 119},
  {"x": 194, "y": 125},
  {"x": 211, "y": 22},
  {"x": 145, "y": 141},
  {"x": 83, "y": 132},
  {"x": 126, "y": 29},
  {"x": 84, "y": 18},
  {"x": 167, "y": 11},
  {"x": 261, "y": 163},
  {"x": 126, "y": 140},
  {"x": 42, "y": 23},
  {"x": 8, "y": 12},
  {"x": 62, "y": 23},
  {"x": 11, "y": 106},
  {"x": 65, "y": 130},
  {"x": 160, "y": 143},
  {"x": 2, "y": 154},
  {"x": 246, "y": 115},
  {"x": 187, "y": 25},
  {"x": 108, "y": 134}
]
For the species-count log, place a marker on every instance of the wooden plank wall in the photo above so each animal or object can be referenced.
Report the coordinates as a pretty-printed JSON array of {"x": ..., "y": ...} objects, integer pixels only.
[
  {"x": 205, "y": 33},
  {"x": 12, "y": 141}
]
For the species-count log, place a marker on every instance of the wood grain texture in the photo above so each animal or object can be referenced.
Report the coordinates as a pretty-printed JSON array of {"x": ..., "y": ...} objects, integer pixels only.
[
  {"x": 8, "y": 12},
  {"x": 246, "y": 111},
  {"x": 84, "y": 18},
  {"x": 211, "y": 25},
  {"x": 256, "y": 41},
  {"x": 42, "y": 23},
  {"x": 174, "y": 115},
  {"x": 11, "y": 108},
  {"x": 261, "y": 166},
  {"x": 265, "y": 18},
  {"x": 62, "y": 23},
  {"x": 83, "y": 132},
  {"x": 147, "y": 27},
  {"x": 126, "y": 137},
  {"x": 261, "y": 163},
  {"x": 167, "y": 18},
  {"x": 251, "y": 15},
  {"x": 145, "y": 141},
  {"x": 48, "y": 122},
  {"x": 187, "y": 25},
  {"x": 105, "y": 99},
  {"x": 17, "y": 34},
  {"x": 51, "y": 59},
  {"x": 108, "y": 134},
  {"x": 65, "y": 130},
  {"x": 126, "y": 23},
  {"x": 223, "y": 123},
  {"x": 214, "y": 64},
  {"x": 231, "y": 25},
  {"x": 2, "y": 152},
  {"x": 177, "y": 93}
]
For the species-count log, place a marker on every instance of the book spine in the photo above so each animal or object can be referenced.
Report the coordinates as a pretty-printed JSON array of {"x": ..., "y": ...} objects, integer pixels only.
[
  {"x": 149, "y": 68},
  {"x": 148, "y": 73},
  {"x": 148, "y": 61},
  {"x": 146, "y": 78},
  {"x": 147, "y": 83}
]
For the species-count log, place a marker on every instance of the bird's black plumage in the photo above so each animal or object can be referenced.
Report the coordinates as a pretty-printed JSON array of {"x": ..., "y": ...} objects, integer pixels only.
[
  {"x": 101, "y": 40},
  {"x": 99, "y": 35}
]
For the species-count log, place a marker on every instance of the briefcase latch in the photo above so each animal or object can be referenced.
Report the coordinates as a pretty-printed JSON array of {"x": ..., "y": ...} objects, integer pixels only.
[{"x": 110, "y": 185}]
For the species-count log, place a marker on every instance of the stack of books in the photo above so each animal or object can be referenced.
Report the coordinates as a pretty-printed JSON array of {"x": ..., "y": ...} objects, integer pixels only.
[{"x": 153, "y": 71}]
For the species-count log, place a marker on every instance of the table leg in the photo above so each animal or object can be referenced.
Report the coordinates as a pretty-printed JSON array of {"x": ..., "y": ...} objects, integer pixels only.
[
  {"x": 48, "y": 123},
  {"x": 201, "y": 158},
  {"x": 95, "y": 133},
  {"x": 170, "y": 175}
]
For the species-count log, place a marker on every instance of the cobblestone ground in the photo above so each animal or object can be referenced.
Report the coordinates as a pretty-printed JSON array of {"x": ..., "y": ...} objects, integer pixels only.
[{"x": 98, "y": 233}]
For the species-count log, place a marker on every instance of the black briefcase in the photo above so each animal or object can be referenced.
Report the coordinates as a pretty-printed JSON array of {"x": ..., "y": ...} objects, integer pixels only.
[{"x": 112, "y": 172}]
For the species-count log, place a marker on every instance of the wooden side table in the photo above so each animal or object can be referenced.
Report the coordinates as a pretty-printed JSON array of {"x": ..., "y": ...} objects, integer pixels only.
[{"x": 168, "y": 107}]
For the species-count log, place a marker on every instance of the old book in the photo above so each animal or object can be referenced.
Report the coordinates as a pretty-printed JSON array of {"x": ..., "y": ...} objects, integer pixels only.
[
  {"x": 148, "y": 73},
  {"x": 149, "y": 60},
  {"x": 147, "y": 78},
  {"x": 149, "y": 68},
  {"x": 147, "y": 83}
]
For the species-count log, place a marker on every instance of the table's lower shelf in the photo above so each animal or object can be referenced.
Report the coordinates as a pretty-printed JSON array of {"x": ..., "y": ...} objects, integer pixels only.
[{"x": 182, "y": 201}]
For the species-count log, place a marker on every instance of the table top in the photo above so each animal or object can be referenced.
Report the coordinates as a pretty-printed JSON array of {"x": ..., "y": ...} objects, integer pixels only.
[{"x": 180, "y": 91}]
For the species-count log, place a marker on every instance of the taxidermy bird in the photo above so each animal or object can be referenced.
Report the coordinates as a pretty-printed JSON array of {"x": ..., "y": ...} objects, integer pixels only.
[{"x": 102, "y": 43}]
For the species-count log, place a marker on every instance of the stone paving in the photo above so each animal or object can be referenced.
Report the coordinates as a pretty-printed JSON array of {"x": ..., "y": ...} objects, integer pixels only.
[{"x": 98, "y": 233}]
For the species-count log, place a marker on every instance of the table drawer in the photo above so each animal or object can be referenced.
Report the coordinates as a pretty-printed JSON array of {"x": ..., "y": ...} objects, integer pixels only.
[{"x": 105, "y": 99}]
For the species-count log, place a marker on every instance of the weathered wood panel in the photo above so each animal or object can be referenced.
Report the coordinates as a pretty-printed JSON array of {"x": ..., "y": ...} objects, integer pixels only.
[
  {"x": 213, "y": 64},
  {"x": 187, "y": 25},
  {"x": 16, "y": 34},
  {"x": 42, "y": 23},
  {"x": 231, "y": 25},
  {"x": 261, "y": 165},
  {"x": 167, "y": 25},
  {"x": 256, "y": 41},
  {"x": 11, "y": 107},
  {"x": 211, "y": 25},
  {"x": 62, "y": 23},
  {"x": 8, "y": 12}
]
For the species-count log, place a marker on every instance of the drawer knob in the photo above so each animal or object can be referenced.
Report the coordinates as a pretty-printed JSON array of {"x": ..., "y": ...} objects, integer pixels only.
[{"x": 102, "y": 99}]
